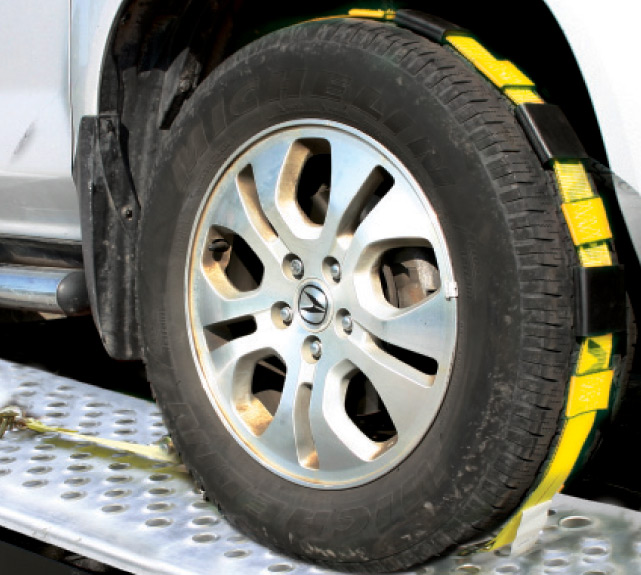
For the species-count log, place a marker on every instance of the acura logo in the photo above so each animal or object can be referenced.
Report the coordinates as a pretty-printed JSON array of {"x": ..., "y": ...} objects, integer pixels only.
[{"x": 312, "y": 305}]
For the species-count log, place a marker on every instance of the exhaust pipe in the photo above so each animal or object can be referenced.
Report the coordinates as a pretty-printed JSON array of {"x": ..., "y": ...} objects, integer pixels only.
[{"x": 51, "y": 290}]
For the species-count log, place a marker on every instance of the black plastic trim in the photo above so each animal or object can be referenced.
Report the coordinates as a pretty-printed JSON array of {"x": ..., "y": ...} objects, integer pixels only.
[
  {"x": 549, "y": 132},
  {"x": 600, "y": 300},
  {"x": 40, "y": 252},
  {"x": 27, "y": 562},
  {"x": 431, "y": 27},
  {"x": 109, "y": 214}
]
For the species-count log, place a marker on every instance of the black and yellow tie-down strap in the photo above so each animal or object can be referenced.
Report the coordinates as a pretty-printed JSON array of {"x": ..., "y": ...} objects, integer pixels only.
[
  {"x": 600, "y": 290},
  {"x": 589, "y": 389}
]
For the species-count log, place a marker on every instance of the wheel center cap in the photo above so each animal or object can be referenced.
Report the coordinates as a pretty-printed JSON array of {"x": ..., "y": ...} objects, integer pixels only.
[{"x": 313, "y": 305}]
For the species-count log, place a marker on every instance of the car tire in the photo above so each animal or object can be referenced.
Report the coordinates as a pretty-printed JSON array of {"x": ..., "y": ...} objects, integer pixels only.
[{"x": 348, "y": 225}]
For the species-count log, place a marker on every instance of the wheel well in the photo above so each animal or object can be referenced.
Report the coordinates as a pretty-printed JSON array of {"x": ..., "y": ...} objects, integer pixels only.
[
  {"x": 533, "y": 40},
  {"x": 160, "y": 50}
]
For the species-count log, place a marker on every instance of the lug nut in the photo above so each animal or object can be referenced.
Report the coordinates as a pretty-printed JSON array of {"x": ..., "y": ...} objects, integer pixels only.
[
  {"x": 347, "y": 323},
  {"x": 316, "y": 349},
  {"x": 297, "y": 268},
  {"x": 287, "y": 315},
  {"x": 335, "y": 271}
]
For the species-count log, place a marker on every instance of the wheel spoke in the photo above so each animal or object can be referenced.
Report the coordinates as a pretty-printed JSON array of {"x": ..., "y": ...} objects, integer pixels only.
[
  {"x": 354, "y": 178},
  {"x": 241, "y": 216},
  {"x": 405, "y": 391},
  {"x": 276, "y": 172},
  {"x": 226, "y": 357},
  {"x": 339, "y": 443},
  {"x": 426, "y": 328},
  {"x": 399, "y": 219},
  {"x": 222, "y": 306},
  {"x": 289, "y": 432},
  {"x": 233, "y": 360}
]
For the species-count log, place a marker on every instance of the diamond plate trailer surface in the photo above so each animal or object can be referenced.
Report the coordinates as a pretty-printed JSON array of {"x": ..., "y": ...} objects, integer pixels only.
[{"x": 148, "y": 518}]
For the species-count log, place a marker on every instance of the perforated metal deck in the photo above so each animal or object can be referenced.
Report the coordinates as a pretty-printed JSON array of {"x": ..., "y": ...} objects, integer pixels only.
[{"x": 148, "y": 518}]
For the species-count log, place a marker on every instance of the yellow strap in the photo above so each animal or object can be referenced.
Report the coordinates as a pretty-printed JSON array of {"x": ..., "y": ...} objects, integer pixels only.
[
  {"x": 595, "y": 255},
  {"x": 589, "y": 392},
  {"x": 587, "y": 221},
  {"x": 377, "y": 14},
  {"x": 589, "y": 389},
  {"x": 502, "y": 73},
  {"x": 359, "y": 13},
  {"x": 154, "y": 451},
  {"x": 572, "y": 179},
  {"x": 573, "y": 437},
  {"x": 595, "y": 354},
  {"x": 523, "y": 95}
]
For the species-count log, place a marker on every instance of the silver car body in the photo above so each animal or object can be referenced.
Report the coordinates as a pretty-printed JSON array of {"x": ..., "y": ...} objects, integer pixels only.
[
  {"x": 37, "y": 194},
  {"x": 50, "y": 78}
]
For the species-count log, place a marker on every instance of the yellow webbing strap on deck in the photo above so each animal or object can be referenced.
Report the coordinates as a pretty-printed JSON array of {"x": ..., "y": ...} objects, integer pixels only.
[{"x": 158, "y": 451}]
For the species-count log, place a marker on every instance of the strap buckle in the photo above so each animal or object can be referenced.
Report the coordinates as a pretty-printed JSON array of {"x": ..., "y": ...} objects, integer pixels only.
[{"x": 10, "y": 419}]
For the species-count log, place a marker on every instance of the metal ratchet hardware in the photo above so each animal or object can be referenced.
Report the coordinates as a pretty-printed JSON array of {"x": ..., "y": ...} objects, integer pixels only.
[{"x": 10, "y": 419}]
